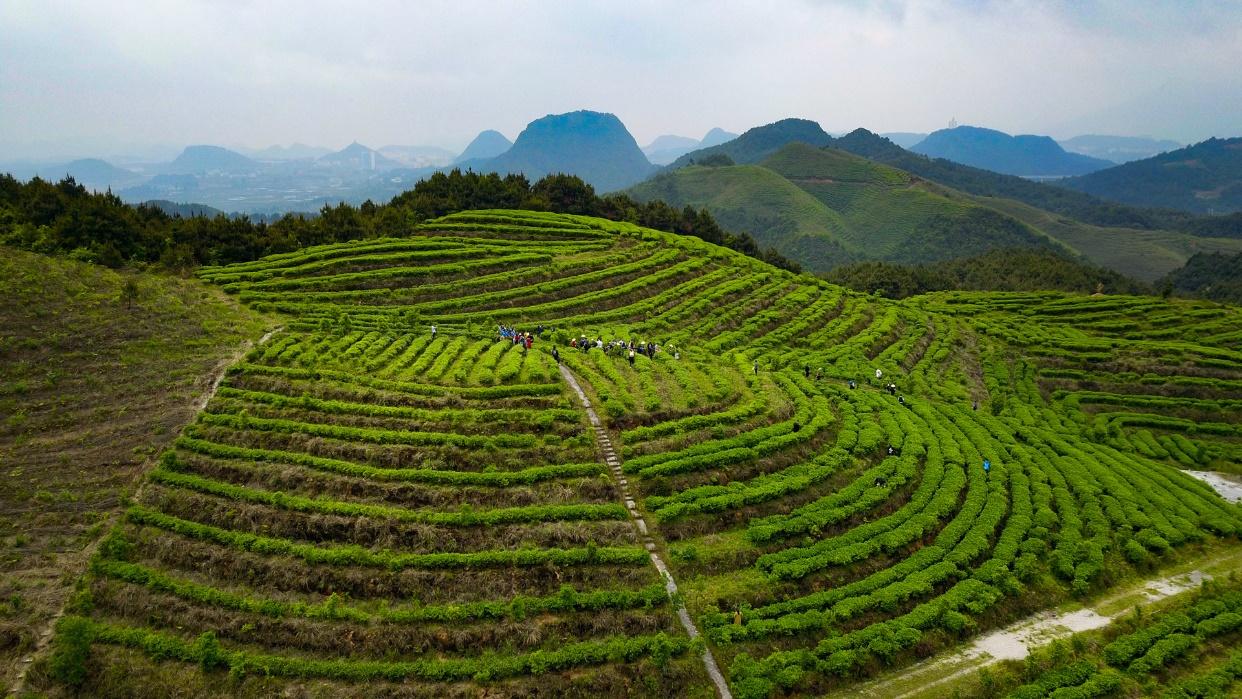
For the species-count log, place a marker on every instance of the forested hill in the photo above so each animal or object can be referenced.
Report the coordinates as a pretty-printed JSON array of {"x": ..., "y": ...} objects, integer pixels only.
[
  {"x": 825, "y": 207},
  {"x": 1203, "y": 178},
  {"x": 758, "y": 143},
  {"x": 65, "y": 217},
  {"x": 996, "y": 270},
  {"x": 1213, "y": 276},
  {"x": 1068, "y": 202}
]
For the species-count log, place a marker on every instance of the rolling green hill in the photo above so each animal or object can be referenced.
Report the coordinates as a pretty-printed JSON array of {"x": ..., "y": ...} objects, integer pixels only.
[
  {"x": 370, "y": 507},
  {"x": 1143, "y": 253},
  {"x": 825, "y": 207},
  {"x": 986, "y": 183},
  {"x": 891, "y": 215},
  {"x": 758, "y": 201},
  {"x": 873, "y": 210},
  {"x": 758, "y": 143}
]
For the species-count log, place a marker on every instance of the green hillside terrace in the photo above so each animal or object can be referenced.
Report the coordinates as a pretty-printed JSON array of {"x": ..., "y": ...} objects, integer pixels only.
[{"x": 392, "y": 491}]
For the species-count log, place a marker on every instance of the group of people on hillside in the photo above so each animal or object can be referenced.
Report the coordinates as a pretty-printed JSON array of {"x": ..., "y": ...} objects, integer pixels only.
[
  {"x": 648, "y": 349},
  {"x": 524, "y": 339}
]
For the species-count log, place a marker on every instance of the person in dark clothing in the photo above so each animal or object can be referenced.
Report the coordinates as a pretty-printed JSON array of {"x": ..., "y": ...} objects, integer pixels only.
[
  {"x": 901, "y": 400},
  {"x": 806, "y": 371},
  {"x": 853, "y": 384},
  {"x": 556, "y": 355},
  {"x": 631, "y": 357}
]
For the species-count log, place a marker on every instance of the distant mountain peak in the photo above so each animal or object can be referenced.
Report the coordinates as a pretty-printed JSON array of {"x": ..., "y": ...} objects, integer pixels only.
[
  {"x": 715, "y": 137},
  {"x": 595, "y": 146},
  {"x": 204, "y": 158},
  {"x": 762, "y": 141},
  {"x": 667, "y": 141},
  {"x": 1023, "y": 155},
  {"x": 356, "y": 156},
  {"x": 667, "y": 149},
  {"x": 488, "y": 144}
]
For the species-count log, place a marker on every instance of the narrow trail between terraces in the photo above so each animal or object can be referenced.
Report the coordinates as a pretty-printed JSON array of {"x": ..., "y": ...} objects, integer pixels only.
[{"x": 645, "y": 534}]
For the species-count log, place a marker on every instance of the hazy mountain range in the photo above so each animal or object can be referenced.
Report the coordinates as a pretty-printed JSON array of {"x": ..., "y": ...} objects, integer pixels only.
[
  {"x": 665, "y": 149},
  {"x": 1115, "y": 149},
  {"x": 814, "y": 207},
  {"x": 1118, "y": 149},
  {"x": 826, "y": 201},
  {"x": 1025, "y": 156}
]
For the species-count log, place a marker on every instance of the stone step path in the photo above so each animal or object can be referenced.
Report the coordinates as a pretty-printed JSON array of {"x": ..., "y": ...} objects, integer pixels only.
[{"x": 613, "y": 461}]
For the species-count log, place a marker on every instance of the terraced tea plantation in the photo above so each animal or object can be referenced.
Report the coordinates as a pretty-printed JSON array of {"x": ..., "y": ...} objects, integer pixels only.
[
  {"x": 1187, "y": 651},
  {"x": 370, "y": 508}
]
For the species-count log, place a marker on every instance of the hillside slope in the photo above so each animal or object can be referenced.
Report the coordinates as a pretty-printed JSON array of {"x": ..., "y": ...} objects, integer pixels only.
[
  {"x": 92, "y": 386},
  {"x": 824, "y": 207},
  {"x": 996, "y": 270},
  {"x": 371, "y": 507},
  {"x": 1203, "y": 178},
  {"x": 1142, "y": 253},
  {"x": 1126, "y": 239},
  {"x": 1214, "y": 276},
  {"x": 755, "y": 200},
  {"x": 894, "y": 216}
]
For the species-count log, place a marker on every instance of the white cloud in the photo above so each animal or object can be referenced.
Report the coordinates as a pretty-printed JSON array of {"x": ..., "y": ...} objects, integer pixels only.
[{"x": 85, "y": 76}]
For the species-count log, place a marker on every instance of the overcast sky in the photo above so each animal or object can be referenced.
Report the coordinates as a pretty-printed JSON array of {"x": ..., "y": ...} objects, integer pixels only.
[{"x": 102, "y": 78}]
